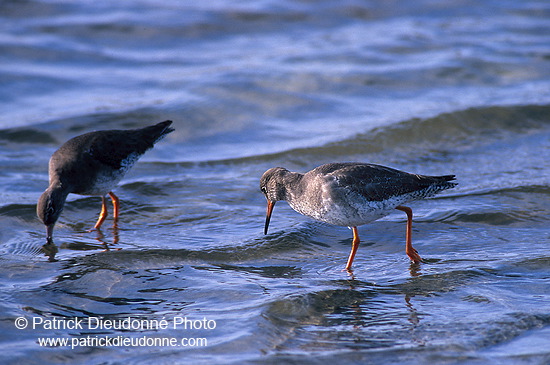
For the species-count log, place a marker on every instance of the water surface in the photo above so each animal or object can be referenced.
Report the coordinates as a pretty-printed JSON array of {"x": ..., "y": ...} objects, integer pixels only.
[{"x": 432, "y": 88}]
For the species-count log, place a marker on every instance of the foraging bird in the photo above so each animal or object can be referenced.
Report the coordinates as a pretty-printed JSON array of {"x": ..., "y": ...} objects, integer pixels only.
[
  {"x": 350, "y": 194},
  {"x": 93, "y": 164}
]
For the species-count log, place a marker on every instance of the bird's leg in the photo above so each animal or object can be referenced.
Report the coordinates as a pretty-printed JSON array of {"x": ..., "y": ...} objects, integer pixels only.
[
  {"x": 103, "y": 214},
  {"x": 116, "y": 210},
  {"x": 409, "y": 249},
  {"x": 354, "y": 247},
  {"x": 116, "y": 205}
]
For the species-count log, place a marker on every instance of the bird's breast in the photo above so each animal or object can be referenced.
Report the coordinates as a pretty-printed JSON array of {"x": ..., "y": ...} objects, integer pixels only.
[{"x": 343, "y": 207}]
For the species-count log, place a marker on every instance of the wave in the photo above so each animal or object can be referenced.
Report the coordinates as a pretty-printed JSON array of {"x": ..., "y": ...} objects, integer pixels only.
[
  {"x": 456, "y": 129},
  {"x": 433, "y": 138}
]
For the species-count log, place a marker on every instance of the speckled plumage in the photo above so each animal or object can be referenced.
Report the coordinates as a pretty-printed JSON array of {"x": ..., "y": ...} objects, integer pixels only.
[{"x": 348, "y": 194}]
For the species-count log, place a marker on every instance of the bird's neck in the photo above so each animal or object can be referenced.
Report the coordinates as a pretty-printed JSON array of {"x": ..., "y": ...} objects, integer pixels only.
[
  {"x": 63, "y": 189},
  {"x": 293, "y": 185},
  {"x": 50, "y": 204}
]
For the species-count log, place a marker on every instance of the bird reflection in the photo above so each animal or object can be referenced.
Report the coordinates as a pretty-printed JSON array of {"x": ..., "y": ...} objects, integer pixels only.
[
  {"x": 101, "y": 237},
  {"x": 414, "y": 269},
  {"x": 412, "y": 315},
  {"x": 414, "y": 319},
  {"x": 50, "y": 249}
]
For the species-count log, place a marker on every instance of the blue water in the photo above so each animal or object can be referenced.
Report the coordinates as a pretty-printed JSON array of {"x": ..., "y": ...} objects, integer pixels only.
[{"x": 427, "y": 87}]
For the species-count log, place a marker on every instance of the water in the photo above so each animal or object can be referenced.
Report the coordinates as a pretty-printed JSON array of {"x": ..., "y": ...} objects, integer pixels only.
[{"x": 428, "y": 87}]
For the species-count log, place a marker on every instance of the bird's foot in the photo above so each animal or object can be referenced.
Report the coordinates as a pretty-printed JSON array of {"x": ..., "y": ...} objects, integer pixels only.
[{"x": 414, "y": 256}]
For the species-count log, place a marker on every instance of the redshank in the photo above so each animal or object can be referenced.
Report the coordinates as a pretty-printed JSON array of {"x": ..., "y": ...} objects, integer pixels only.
[
  {"x": 350, "y": 194},
  {"x": 93, "y": 164}
]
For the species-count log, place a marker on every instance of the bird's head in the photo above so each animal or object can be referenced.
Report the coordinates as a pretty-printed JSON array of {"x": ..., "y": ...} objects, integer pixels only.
[
  {"x": 49, "y": 208},
  {"x": 271, "y": 185}
]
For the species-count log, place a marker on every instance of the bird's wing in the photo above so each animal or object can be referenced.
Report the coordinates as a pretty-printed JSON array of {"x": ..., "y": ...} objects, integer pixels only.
[
  {"x": 115, "y": 147},
  {"x": 378, "y": 183}
]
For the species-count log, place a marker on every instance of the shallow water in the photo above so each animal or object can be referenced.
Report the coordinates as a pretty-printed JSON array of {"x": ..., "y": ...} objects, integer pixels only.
[{"x": 435, "y": 88}]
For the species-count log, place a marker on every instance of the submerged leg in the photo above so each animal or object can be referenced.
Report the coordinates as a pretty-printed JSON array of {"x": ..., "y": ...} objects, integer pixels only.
[
  {"x": 116, "y": 205},
  {"x": 103, "y": 214},
  {"x": 354, "y": 247},
  {"x": 409, "y": 249}
]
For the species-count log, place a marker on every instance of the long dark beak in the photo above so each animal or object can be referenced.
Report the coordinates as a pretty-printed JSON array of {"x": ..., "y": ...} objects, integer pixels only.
[
  {"x": 49, "y": 233},
  {"x": 270, "y": 206}
]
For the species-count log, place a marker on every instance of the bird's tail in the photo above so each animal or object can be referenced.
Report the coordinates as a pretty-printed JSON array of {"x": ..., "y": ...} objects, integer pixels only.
[
  {"x": 157, "y": 132},
  {"x": 447, "y": 181}
]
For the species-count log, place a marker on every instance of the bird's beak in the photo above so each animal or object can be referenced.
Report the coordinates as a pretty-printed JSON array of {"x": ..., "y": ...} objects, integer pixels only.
[
  {"x": 49, "y": 233},
  {"x": 270, "y": 206}
]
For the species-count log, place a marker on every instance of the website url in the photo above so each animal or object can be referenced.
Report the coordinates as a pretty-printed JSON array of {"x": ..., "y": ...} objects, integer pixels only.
[{"x": 121, "y": 341}]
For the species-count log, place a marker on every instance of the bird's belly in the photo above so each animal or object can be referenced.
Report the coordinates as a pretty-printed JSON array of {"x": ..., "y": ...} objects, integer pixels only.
[
  {"x": 353, "y": 213},
  {"x": 102, "y": 184}
]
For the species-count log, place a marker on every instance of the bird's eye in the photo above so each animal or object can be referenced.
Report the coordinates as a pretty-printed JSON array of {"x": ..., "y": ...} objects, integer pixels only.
[{"x": 264, "y": 190}]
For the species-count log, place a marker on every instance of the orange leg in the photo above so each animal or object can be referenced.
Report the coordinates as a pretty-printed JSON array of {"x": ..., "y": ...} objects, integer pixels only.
[
  {"x": 354, "y": 247},
  {"x": 103, "y": 215},
  {"x": 409, "y": 249},
  {"x": 116, "y": 205}
]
